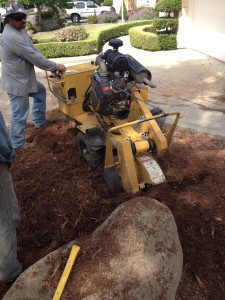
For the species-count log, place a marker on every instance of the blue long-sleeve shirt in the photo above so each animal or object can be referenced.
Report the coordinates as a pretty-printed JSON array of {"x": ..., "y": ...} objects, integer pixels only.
[{"x": 7, "y": 153}]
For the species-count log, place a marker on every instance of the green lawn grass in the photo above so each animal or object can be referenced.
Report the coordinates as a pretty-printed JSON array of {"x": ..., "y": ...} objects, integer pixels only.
[{"x": 50, "y": 34}]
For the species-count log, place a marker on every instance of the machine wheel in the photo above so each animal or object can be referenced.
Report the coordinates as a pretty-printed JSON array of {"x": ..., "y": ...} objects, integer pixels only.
[
  {"x": 112, "y": 179},
  {"x": 75, "y": 18},
  {"x": 93, "y": 157},
  {"x": 160, "y": 121}
]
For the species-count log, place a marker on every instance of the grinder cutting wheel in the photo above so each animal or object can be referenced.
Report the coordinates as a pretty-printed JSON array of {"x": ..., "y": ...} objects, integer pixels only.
[{"x": 108, "y": 101}]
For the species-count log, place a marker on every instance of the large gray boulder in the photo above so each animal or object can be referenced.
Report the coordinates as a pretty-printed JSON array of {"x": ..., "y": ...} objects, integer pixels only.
[{"x": 134, "y": 254}]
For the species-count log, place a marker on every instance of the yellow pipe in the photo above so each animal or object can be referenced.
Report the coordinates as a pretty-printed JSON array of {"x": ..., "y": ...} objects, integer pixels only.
[
  {"x": 139, "y": 121},
  {"x": 73, "y": 254}
]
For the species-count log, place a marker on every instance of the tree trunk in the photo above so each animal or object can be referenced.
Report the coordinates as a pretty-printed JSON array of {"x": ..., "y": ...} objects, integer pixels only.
[
  {"x": 131, "y": 5},
  {"x": 39, "y": 13}
]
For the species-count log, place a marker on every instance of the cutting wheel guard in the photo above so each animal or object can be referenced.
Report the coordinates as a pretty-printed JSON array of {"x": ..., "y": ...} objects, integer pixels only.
[{"x": 169, "y": 135}]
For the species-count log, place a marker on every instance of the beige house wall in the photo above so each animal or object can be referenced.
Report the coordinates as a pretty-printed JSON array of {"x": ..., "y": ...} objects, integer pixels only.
[{"x": 202, "y": 27}]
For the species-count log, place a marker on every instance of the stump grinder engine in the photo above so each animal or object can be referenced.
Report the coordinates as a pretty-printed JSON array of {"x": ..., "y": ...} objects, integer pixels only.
[{"x": 108, "y": 101}]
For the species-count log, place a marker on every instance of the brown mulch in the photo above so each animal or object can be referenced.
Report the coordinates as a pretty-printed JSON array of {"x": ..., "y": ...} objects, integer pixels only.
[{"x": 61, "y": 199}]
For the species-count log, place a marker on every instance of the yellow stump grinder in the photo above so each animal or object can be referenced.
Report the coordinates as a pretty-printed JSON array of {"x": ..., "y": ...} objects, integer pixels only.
[{"x": 108, "y": 101}]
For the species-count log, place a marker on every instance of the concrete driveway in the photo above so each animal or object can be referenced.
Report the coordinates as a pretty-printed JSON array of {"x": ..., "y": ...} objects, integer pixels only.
[{"x": 186, "y": 80}]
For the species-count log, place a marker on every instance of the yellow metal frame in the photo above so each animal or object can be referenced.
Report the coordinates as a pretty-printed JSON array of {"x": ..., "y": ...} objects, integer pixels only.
[{"x": 135, "y": 131}]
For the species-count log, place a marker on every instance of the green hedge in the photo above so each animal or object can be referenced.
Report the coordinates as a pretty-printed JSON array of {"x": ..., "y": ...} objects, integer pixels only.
[
  {"x": 161, "y": 23},
  {"x": 167, "y": 41},
  {"x": 168, "y": 6},
  {"x": 42, "y": 40},
  {"x": 93, "y": 44},
  {"x": 139, "y": 38},
  {"x": 144, "y": 37}
]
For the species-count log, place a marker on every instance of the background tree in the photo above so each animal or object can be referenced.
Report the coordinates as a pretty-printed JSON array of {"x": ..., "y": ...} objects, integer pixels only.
[
  {"x": 40, "y": 4},
  {"x": 169, "y": 6},
  {"x": 108, "y": 2},
  {"x": 132, "y": 5}
]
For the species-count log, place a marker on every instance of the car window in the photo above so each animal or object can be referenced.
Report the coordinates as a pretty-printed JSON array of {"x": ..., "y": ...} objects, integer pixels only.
[
  {"x": 70, "y": 5},
  {"x": 80, "y": 5},
  {"x": 91, "y": 5}
]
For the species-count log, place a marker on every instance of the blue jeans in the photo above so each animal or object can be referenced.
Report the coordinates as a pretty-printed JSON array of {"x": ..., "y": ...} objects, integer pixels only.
[
  {"x": 10, "y": 267},
  {"x": 20, "y": 112}
]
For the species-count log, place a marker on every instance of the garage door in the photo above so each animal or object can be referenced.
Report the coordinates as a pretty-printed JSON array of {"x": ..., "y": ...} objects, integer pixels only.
[{"x": 208, "y": 27}]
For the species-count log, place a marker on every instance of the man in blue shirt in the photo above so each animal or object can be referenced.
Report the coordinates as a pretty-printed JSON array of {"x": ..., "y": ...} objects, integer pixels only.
[{"x": 10, "y": 267}]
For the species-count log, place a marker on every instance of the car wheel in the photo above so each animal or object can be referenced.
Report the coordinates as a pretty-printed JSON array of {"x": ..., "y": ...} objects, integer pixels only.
[{"x": 75, "y": 18}]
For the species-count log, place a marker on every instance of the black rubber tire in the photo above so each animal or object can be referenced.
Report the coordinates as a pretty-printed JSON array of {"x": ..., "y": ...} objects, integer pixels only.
[
  {"x": 93, "y": 157},
  {"x": 160, "y": 121},
  {"x": 75, "y": 18},
  {"x": 112, "y": 179}
]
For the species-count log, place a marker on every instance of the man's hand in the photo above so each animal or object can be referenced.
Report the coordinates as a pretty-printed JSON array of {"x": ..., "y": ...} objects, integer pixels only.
[{"x": 62, "y": 68}]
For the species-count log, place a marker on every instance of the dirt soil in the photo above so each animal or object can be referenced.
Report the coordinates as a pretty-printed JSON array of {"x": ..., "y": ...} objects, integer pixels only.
[{"x": 61, "y": 199}]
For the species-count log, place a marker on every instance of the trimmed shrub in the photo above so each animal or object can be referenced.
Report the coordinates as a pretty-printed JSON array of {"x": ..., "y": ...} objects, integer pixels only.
[
  {"x": 32, "y": 28},
  {"x": 108, "y": 17},
  {"x": 144, "y": 37},
  {"x": 70, "y": 34},
  {"x": 57, "y": 49},
  {"x": 70, "y": 23},
  {"x": 108, "y": 2},
  {"x": 92, "y": 19},
  {"x": 142, "y": 14},
  {"x": 93, "y": 44},
  {"x": 42, "y": 40},
  {"x": 166, "y": 23},
  {"x": 167, "y": 41},
  {"x": 119, "y": 30},
  {"x": 169, "y": 6},
  {"x": 50, "y": 20}
]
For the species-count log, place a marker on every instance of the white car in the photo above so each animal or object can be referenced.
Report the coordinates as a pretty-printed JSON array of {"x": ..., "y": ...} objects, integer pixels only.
[{"x": 83, "y": 9}]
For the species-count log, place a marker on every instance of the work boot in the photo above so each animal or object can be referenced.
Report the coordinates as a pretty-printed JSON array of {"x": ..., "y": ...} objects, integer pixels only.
[{"x": 48, "y": 122}]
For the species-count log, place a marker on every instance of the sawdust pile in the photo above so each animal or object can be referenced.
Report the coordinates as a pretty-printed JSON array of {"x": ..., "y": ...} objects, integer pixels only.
[{"x": 61, "y": 198}]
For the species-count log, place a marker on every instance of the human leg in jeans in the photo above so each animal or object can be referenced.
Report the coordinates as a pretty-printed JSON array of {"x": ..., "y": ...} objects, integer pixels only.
[
  {"x": 39, "y": 105},
  {"x": 20, "y": 112},
  {"x": 10, "y": 267}
]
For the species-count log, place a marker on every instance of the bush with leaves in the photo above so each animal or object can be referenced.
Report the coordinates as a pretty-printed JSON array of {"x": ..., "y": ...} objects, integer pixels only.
[
  {"x": 108, "y": 17},
  {"x": 67, "y": 34},
  {"x": 145, "y": 37},
  {"x": 169, "y": 24},
  {"x": 50, "y": 19},
  {"x": 32, "y": 28},
  {"x": 92, "y": 19},
  {"x": 167, "y": 41},
  {"x": 142, "y": 14},
  {"x": 108, "y": 2},
  {"x": 92, "y": 44},
  {"x": 169, "y": 6}
]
